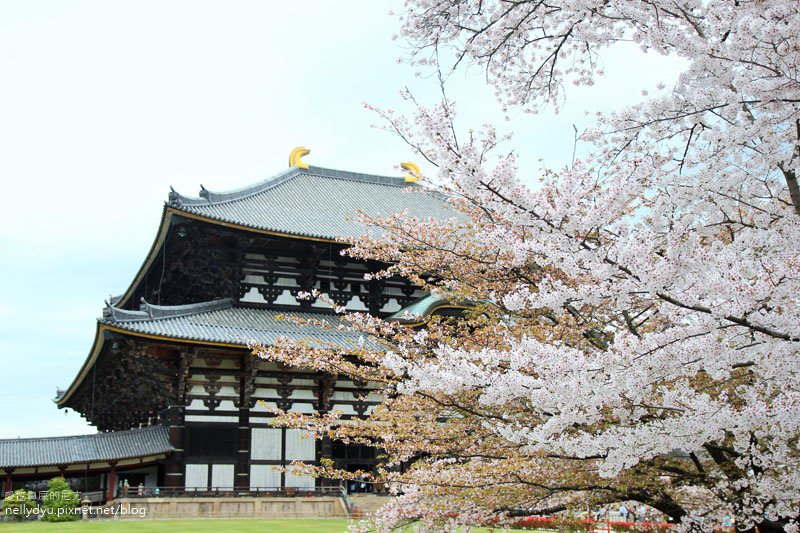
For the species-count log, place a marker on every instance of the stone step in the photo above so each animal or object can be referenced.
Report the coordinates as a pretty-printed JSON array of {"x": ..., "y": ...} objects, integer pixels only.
[
  {"x": 223, "y": 507},
  {"x": 366, "y": 504}
]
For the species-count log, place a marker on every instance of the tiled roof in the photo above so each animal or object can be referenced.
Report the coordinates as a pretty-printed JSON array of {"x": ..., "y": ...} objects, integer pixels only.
[
  {"x": 219, "y": 321},
  {"x": 55, "y": 451},
  {"x": 424, "y": 308},
  {"x": 418, "y": 309},
  {"x": 316, "y": 202}
]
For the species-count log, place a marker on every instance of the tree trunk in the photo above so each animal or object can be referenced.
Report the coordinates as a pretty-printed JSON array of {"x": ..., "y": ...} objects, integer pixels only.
[{"x": 766, "y": 526}]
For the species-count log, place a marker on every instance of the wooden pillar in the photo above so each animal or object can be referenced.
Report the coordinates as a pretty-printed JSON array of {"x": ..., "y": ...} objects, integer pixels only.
[
  {"x": 242, "y": 469},
  {"x": 176, "y": 421},
  {"x": 8, "y": 484},
  {"x": 112, "y": 479},
  {"x": 247, "y": 387},
  {"x": 324, "y": 448},
  {"x": 283, "y": 457},
  {"x": 173, "y": 466},
  {"x": 375, "y": 289}
]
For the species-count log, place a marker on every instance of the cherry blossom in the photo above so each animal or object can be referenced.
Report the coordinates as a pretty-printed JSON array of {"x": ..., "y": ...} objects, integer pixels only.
[{"x": 635, "y": 325}]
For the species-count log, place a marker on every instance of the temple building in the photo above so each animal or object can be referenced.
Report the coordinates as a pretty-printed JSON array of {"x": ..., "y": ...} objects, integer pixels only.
[{"x": 179, "y": 399}]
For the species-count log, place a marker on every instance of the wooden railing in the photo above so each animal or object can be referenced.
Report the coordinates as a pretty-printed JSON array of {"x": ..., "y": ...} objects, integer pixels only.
[{"x": 228, "y": 492}]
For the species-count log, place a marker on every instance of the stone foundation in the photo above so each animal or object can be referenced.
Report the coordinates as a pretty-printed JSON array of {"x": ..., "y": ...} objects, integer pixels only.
[{"x": 239, "y": 507}]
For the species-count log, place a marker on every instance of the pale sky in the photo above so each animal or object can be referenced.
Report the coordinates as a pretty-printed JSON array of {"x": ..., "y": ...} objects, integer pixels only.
[{"x": 104, "y": 105}]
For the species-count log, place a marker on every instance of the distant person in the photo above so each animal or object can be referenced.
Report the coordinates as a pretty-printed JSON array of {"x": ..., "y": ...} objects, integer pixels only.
[
  {"x": 140, "y": 489},
  {"x": 623, "y": 512}
]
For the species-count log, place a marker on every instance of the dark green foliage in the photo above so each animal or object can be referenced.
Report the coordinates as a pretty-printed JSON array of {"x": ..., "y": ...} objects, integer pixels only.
[
  {"x": 61, "y": 504},
  {"x": 19, "y": 505}
]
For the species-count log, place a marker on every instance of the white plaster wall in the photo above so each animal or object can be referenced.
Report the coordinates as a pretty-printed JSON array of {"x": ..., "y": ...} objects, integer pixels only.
[
  {"x": 263, "y": 406},
  {"x": 286, "y": 298},
  {"x": 346, "y": 409},
  {"x": 299, "y": 448},
  {"x": 197, "y": 404},
  {"x": 355, "y": 304},
  {"x": 265, "y": 444},
  {"x": 306, "y": 408},
  {"x": 264, "y": 391},
  {"x": 222, "y": 477},
  {"x": 391, "y": 306},
  {"x": 303, "y": 394},
  {"x": 196, "y": 476},
  {"x": 227, "y": 405},
  {"x": 302, "y": 482},
  {"x": 264, "y": 476},
  {"x": 253, "y": 295},
  {"x": 212, "y": 418}
]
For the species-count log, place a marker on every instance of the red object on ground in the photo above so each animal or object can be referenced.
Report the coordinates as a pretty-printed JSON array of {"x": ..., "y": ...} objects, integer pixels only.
[{"x": 549, "y": 522}]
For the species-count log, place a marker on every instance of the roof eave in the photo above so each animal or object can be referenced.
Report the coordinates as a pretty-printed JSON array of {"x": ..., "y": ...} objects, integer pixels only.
[
  {"x": 161, "y": 235},
  {"x": 171, "y": 211},
  {"x": 212, "y": 197},
  {"x": 224, "y": 223},
  {"x": 97, "y": 346},
  {"x": 426, "y": 316},
  {"x": 154, "y": 456}
]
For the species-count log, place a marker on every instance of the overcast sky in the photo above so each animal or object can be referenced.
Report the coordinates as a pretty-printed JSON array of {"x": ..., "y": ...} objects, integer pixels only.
[{"x": 104, "y": 105}]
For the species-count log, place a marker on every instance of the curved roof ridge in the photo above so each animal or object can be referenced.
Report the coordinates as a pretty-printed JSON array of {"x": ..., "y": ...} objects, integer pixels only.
[
  {"x": 376, "y": 179},
  {"x": 425, "y": 307},
  {"x": 148, "y": 311},
  {"x": 210, "y": 197},
  {"x": 99, "y": 434},
  {"x": 237, "y": 325},
  {"x": 91, "y": 448},
  {"x": 207, "y": 197}
]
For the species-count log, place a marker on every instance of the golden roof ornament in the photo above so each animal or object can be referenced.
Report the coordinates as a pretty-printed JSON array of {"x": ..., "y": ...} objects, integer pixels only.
[
  {"x": 415, "y": 173},
  {"x": 296, "y": 157}
]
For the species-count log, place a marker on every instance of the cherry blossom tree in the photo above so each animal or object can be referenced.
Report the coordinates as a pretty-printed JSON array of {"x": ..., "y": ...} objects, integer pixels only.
[{"x": 634, "y": 321}]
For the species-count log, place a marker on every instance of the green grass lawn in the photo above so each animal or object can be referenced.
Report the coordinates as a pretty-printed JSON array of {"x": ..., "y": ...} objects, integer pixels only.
[
  {"x": 180, "y": 526},
  {"x": 186, "y": 526}
]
